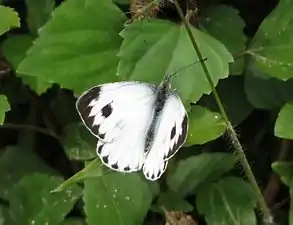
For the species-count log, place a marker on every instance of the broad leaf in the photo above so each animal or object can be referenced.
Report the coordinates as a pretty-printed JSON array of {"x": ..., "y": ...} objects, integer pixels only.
[
  {"x": 116, "y": 198},
  {"x": 31, "y": 200},
  {"x": 230, "y": 201},
  {"x": 79, "y": 143},
  {"x": 196, "y": 170},
  {"x": 264, "y": 92},
  {"x": 158, "y": 47},
  {"x": 4, "y": 107},
  {"x": 284, "y": 170},
  {"x": 16, "y": 163},
  {"x": 204, "y": 126},
  {"x": 225, "y": 24},
  {"x": 38, "y": 12},
  {"x": 77, "y": 48},
  {"x": 9, "y": 19},
  {"x": 237, "y": 110},
  {"x": 284, "y": 122},
  {"x": 14, "y": 48},
  {"x": 271, "y": 48}
]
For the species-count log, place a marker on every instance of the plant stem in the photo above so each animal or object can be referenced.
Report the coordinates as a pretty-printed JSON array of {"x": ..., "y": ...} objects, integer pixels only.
[{"x": 267, "y": 217}]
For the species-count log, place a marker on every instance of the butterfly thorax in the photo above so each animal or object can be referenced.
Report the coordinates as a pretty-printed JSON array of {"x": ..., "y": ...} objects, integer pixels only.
[{"x": 161, "y": 96}]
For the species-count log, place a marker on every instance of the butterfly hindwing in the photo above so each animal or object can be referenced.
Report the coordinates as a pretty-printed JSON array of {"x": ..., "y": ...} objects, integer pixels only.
[
  {"x": 170, "y": 134},
  {"x": 119, "y": 115}
]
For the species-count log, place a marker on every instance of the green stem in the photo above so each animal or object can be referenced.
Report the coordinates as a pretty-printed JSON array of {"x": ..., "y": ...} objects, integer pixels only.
[{"x": 267, "y": 217}]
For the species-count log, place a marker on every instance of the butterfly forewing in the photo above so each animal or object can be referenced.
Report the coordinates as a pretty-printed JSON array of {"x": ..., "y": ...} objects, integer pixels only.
[
  {"x": 119, "y": 114},
  {"x": 170, "y": 134}
]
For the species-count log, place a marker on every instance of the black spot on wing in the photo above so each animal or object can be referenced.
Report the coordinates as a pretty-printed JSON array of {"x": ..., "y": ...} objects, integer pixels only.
[
  {"x": 105, "y": 159},
  {"x": 181, "y": 139},
  {"x": 126, "y": 169},
  {"x": 99, "y": 149},
  {"x": 114, "y": 166},
  {"x": 173, "y": 132},
  {"x": 107, "y": 110}
]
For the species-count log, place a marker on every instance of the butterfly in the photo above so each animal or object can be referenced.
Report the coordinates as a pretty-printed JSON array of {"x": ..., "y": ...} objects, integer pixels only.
[{"x": 140, "y": 126}]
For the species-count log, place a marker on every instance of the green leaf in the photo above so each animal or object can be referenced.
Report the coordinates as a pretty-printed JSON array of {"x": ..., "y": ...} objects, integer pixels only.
[
  {"x": 9, "y": 19},
  {"x": 189, "y": 173},
  {"x": 271, "y": 48},
  {"x": 204, "y": 126},
  {"x": 92, "y": 169},
  {"x": 72, "y": 221},
  {"x": 230, "y": 201},
  {"x": 14, "y": 48},
  {"x": 284, "y": 122},
  {"x": 291, "y": 204},
  {"x": 31, "y": 200},
  {"x": 38, "y": 12},
  {"x": 225, "y": 24},
  {"x": 85, "y": 59},
  {"x": 116, "y": 198},
  {"x": 79, "y": 143},
  {"x": 16, "y": 163},
  {"x": 264, "y": 92},
  {"x": 237, "y": 110},
  {"x": 172, "y": 202},
  {"x": 4, "y": 107},
  {"x": 284, "y": 170},
  {"x": 158, "y": 47}
]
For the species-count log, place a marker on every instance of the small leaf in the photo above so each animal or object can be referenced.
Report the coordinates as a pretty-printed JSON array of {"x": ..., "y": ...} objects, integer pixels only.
[
  {"x": 4, "y": 107},
  {"x": 92, "y": 169},
  {"x": 78, "y": 62},
  {"x": 284, "y": 122},
  {"x": 225, "y": 24},
  {"x": 9, "y": 19},
  {"x": 172, "y": 202},
  {"x": 271, "y": 48},
  {"x": 264, "y": 92},
  {"x": 196, "y": 170},
  {"x": 284, "y": 170},
  {"x": 38, "y": 12},
  {"x": 116, "y": 198},
  {"x": 79, "y": 143},
  {"x": 158, "y": 47},
  {"x": 237, "y": 110},
  {"x": 14, "y": 48},
  {"x": 31, "y": 200},
  {"x": 230, "y": 201},
  {"x": 16, "y": 163},
  {"x": 204, "y": 126}
]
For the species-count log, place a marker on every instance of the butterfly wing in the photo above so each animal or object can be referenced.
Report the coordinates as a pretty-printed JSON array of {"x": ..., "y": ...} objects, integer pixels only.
[
  {"x": 119, "y": 114},
  {"x": 170, "y": 134}
]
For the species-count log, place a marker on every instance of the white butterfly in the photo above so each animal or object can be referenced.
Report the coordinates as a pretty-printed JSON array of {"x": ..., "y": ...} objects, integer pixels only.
[{"x": 139, "y": 125}]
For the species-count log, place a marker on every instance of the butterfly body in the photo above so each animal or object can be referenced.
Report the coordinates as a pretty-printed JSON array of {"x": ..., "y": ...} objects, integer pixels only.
[{"x": 139, "y": 125}]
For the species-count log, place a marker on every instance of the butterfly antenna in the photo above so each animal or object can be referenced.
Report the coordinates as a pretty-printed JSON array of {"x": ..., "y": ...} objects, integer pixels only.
[{"x": 185, "y": 67}]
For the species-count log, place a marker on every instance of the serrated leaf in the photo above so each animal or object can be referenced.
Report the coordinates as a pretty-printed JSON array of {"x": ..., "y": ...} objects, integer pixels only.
[
  {"x": 4, "y": 107},
  {"x": 271, "y": 48},
  {"x": 158, "y": 47},
  {"x": 264, "y": 92},
  {"x": 9, "y": 19},
  {"x": 237, "y": 110},
  {"x": 172, "y": 202},
  {"x": 196, "y": 170},
  {"x": 77, "y": 48},
  {"x": 284, "y": 122},
  {"x": 38, "y": 12},
  {"x": 14, "y": 49},
  {"x": 284, "y": 170},
  {"x": 204, "y": 126},
  {"x": 223, "y": 203},
  {"x": 116, "y": 198},
  {"x": 32, "y": 202},
  {"x": 79, "y": 143},
  {"x": 16, "y": 163},
  {"x": 225, "y": 24}
]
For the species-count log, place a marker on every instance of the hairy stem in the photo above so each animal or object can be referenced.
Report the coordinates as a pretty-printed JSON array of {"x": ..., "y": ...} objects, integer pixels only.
[{"x": 267, "y": 217}]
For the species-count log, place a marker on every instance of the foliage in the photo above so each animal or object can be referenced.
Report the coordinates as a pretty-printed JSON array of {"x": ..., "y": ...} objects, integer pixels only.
[{"x": 50, "y": 52}]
